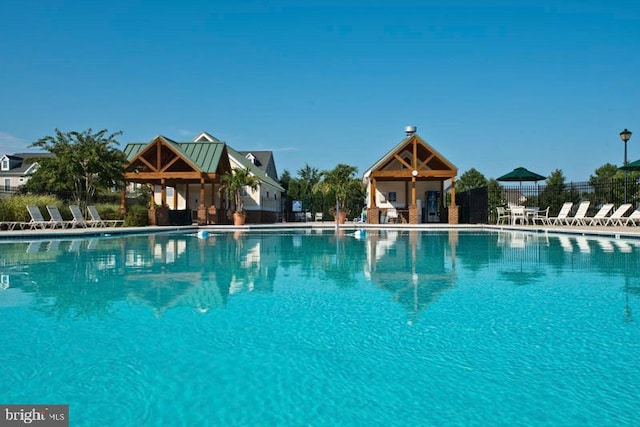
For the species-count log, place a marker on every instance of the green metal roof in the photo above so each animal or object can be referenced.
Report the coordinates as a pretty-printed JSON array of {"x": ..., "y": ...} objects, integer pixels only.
[{"x": 204, "y": 155}]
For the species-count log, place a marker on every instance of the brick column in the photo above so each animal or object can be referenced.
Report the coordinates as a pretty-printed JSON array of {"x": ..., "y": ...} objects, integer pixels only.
[
  {"x": 202, "y": 215},
  {"x": 373, "y": 216},
  {"x": 413, "y": 214},
  {"x": 453, "y": 214}
]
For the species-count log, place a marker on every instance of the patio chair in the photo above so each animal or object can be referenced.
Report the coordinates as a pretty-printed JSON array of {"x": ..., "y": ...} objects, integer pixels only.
[
  {"x": 503, "y": 215},
  {"x": 37, "y": 220},
  {"x": 542, "y": 216},
  {"x": 392, "y": 215},
  {"x": 79, "y": 219},
  {"x": 95, "y": 217},
  {"x": 56, "y": 217},
  {"x": 581, "y": 213},
  {"x": 319, "y": 216},
  {"x": 617, "y": 216},
  {"x": 600, "y": 216},
  {"x": 518, "y": 214},
  {"x": 562, "y": 215}
]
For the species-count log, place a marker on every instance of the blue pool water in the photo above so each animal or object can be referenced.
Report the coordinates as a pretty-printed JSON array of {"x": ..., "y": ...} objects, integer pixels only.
[{"x": 295, "y": 328}]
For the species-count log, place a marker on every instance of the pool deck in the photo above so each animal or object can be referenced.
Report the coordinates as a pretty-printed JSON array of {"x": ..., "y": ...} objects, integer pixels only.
[{"x": 601, "y": 231}]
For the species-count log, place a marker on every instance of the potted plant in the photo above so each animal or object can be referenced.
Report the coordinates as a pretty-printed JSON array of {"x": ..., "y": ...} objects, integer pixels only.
[
  {"x": 343, "y": 183},
  {"x": 234, "y": 182}
]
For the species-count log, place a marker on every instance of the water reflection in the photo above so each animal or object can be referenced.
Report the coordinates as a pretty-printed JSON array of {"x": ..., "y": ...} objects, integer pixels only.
[{"x": 82, "y": 278}]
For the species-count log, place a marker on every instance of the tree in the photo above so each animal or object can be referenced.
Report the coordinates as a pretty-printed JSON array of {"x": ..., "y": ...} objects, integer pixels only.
[
  {"x": 470, "y": 179},
  {"x": 235, "y": 181},
  {"x": 83, "y": 163},
  {"x": 555, "y": 194},
  {"x": 342, "y": 183}
]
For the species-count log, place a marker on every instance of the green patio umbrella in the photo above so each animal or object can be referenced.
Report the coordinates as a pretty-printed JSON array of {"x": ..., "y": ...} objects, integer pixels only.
[
  {"x": 521, "y": 174},
  {"x": 633, "y": 166}
]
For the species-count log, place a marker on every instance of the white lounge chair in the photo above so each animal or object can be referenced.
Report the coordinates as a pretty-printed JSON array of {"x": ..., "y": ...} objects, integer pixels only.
[
  {"x": 616, "y": 217},
  {"x": 581, "y": 213},
  {"x": 562, "y": 215},
  {"x": 600, "y": 216},
  {"x": 633, "y": 219},
  {"x": 95, "y": 217}
]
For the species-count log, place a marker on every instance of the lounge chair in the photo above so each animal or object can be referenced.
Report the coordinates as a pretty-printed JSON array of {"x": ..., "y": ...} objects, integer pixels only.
[
  {"x": 79, "y": 219},
  {"x": 95, "y": 217},
  {"x": 562, "y": 215},
  {"x": 600, "y": 216},
  {"x": 581, "y": 213},
  {"x": 56, "y": 217},
  {"x": 617, "y": 216},
  {"x": 37, "y": 220},
  {"x": 633, "y": 219}
]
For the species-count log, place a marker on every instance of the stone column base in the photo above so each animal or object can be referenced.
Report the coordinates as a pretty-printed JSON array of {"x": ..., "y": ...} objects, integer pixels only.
[
  {"x": 413, "y": 214},
  {"x": 373, "y": 216},
  {"x": 453, "y": 214},
  {"x": 202, "y": 215}
]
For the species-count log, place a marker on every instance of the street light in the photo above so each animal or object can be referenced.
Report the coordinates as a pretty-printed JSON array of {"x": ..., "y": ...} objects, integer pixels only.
[{"x": 625, "y": 135}]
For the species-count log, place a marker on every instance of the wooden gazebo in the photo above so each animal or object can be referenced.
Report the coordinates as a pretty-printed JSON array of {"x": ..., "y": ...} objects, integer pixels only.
[
  {"x": 410, "y": 180},
  {"x": 192, "y": 170}
]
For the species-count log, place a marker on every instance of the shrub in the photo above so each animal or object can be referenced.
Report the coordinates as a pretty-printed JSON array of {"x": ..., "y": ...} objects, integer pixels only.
[
  {"x": 14, "y": 208},
  {"x": 137, "y": 216}
]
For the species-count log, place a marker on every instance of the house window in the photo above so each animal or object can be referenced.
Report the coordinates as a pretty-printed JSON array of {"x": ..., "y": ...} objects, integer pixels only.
[
  {"x": 5, "y": 164},
  {"x": 267, "y": 194},
  {"x": 7, "y": 184}
]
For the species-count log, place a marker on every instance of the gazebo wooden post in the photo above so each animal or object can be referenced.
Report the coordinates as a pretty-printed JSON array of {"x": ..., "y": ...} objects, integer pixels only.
[
  {"x": 202, "y": 212},
  {"x": 413, "y": 208},
  {"x": 153, "y": 219},
  {"x": 123, "y": 198},
  {"x": 453, "y": 209},
  {"x": 373, "y": 213}
]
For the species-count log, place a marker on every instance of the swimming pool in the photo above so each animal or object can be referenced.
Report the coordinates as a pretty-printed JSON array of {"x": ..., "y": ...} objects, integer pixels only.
[{"x": 313, "y": 328}]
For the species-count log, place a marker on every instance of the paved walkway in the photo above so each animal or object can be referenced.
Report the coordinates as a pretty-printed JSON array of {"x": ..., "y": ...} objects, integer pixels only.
[{"x": 614, "y": 232}]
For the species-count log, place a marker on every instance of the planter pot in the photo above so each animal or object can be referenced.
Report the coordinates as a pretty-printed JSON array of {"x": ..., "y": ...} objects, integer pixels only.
[
  {"x": 238, "y": 218},
  {"x": 341, "y": 218}
]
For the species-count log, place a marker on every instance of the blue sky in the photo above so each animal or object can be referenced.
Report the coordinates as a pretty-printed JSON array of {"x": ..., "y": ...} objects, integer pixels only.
[{"x": 490, "y": 84}]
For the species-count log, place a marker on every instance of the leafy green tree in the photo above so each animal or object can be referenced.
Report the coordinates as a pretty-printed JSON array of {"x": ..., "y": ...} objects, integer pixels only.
[
  {"x": 496, "y": 198},
  {"x": 471, "y": 179},
  {"x": 556, "y": 193},
  {"x": 342, "y": 184},
  {"x": 83, "y": 163},
  {"x": 605, "y": 172},
  {"x": 235, "y": 181}
]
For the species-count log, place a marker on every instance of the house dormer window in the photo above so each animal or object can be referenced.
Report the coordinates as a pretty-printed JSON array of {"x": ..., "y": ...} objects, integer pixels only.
[
  {"x": 4, "y": 164},
  {"x": 251, "y": 158}
]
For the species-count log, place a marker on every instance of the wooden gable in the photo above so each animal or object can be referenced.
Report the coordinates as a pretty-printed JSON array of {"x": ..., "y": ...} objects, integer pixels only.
[
  {"x": 413, "y": 157},
  {"x": 164, "y": 159}
]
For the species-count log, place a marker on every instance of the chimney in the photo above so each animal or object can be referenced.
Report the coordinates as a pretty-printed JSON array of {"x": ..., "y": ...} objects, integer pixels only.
[{"x": 410, "y": 130}]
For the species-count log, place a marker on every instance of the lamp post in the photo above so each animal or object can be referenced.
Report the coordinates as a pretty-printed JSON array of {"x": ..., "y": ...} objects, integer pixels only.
[{"x": 624, "y": 136}]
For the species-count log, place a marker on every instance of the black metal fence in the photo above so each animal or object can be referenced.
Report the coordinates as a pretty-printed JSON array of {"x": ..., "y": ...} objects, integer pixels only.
[{"x": 479, "y": 205}]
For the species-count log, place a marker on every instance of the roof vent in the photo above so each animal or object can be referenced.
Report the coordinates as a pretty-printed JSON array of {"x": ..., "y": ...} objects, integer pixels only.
[{"x": 410, "y": 130}]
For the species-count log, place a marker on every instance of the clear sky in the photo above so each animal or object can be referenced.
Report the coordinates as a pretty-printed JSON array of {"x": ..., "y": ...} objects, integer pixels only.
[{"x": 490, "y": 84}]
